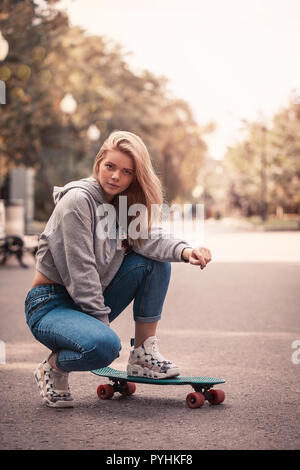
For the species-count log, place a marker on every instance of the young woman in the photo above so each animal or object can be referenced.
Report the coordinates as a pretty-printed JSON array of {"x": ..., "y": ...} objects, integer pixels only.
[{"x": 87, "y": 272}]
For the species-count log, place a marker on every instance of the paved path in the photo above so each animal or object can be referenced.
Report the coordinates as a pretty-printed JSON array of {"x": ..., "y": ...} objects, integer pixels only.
[{"x": 236, "y": 320}]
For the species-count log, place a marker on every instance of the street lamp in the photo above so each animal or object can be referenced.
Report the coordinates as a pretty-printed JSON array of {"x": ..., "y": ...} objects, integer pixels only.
[
  {"x": 263, "y": 174},
  {"x": 4, "y": 47},
  {"x": 68, "y": 106},
  {"x": 93, "y": 132}
]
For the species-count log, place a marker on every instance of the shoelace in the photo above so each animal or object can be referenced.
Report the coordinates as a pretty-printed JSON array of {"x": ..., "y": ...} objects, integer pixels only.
[
  {"x": 158, "y": 356},
  {"x": 54, "y": 392}
]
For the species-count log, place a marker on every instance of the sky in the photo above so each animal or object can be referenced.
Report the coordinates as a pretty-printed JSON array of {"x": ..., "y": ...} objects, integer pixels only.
[{"x": 229, "y": 59}]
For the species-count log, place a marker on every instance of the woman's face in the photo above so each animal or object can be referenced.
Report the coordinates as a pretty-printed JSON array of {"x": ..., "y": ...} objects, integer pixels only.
[{"x": 116, "y": 172}]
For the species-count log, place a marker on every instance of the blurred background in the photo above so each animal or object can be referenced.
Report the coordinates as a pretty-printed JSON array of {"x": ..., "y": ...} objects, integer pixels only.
[{"x": 211, "y": 87}]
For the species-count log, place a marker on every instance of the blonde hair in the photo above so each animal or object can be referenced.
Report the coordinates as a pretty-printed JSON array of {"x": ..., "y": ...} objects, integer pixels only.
[{"x": 146, "y": 187}]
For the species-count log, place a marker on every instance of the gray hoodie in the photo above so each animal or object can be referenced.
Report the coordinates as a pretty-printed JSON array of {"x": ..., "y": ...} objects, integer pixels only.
[{"x": 70, "y": 252}]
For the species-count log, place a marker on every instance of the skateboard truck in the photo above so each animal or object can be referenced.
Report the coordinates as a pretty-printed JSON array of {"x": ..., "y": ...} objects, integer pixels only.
[{"x": 211, "y": 395}]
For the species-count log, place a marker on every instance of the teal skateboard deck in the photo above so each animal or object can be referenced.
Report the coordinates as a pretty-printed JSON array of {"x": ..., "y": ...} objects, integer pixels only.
[{"x": 125, "y": 384}]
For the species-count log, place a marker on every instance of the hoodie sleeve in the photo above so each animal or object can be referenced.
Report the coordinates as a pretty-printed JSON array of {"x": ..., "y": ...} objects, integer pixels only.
[
  {"x": 162, "y": 246},
  {"x": 72, "y": 248}
]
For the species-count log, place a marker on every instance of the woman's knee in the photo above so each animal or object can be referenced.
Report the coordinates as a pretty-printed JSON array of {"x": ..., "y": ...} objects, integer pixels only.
[
  {"x": 166, "y": 268},
  {"x": 106, "y": 348},
  {"x": 162, "y": 267},
  {"x": 162, "y": 270}
]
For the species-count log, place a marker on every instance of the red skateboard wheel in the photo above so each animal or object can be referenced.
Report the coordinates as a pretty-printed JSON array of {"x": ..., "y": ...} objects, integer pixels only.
[
  {"x": 216, "y": 397},
  {"x": 195, "y": 399},
  {"x": 130, "y": 388},
  {"x": 105, "y": 391}
]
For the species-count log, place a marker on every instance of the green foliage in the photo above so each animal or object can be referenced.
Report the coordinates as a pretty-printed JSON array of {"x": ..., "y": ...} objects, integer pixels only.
[
  {"x": 48, "y": 59},
  {"x": 263, "y": 171}
]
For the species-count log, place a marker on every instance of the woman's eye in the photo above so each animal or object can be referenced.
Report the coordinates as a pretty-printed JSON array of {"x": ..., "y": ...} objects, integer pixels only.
[{"x": 108, "y": 165}]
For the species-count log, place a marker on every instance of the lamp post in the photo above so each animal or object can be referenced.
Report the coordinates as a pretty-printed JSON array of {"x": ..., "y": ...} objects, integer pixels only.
[
  {"x": 93, "y": 136},
  {"x": 93, "y": 133},
  {"x": 68, "y": 106},
  {"x": 4, "y": 47},
  {"x": 263, "y": 175}
]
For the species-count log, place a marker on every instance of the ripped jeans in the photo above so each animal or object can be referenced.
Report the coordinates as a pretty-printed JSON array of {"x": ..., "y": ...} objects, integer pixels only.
[{"x": 81, "y": 341}]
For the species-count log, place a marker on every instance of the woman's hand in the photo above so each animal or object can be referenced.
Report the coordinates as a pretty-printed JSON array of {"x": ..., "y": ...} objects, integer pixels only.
[{"x": 197, "y": 256}]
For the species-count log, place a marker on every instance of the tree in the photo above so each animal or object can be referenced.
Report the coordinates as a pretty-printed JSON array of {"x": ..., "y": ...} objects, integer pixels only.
[
  {"x": 285, "y": 148},
  {"x": 264, "y": 169},
  {"x": 31, "y": 35},
  {"x": 48, "y": 59}
]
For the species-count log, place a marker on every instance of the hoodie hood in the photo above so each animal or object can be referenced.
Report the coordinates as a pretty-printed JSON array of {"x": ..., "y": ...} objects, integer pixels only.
[{"x": 90, "y": 185}]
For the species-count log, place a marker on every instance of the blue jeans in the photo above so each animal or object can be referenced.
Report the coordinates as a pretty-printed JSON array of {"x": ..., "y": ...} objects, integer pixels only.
[{"x": 81, "y": 341}]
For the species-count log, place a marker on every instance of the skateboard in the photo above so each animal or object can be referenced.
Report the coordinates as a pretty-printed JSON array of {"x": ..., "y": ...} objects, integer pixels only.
[{"x": 125, "y": 384}]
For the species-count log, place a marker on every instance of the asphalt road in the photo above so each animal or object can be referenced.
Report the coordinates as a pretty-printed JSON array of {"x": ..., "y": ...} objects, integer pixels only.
[{"x": 236, "y": 319}]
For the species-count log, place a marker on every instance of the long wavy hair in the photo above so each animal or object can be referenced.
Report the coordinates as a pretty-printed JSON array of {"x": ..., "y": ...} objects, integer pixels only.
[{"x": 146, "y": 187}]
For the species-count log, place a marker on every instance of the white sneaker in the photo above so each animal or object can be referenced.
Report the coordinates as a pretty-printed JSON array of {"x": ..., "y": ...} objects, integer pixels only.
[
  {"x": 146, "y": 361},
  {"x": 53, "y": 385}
]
